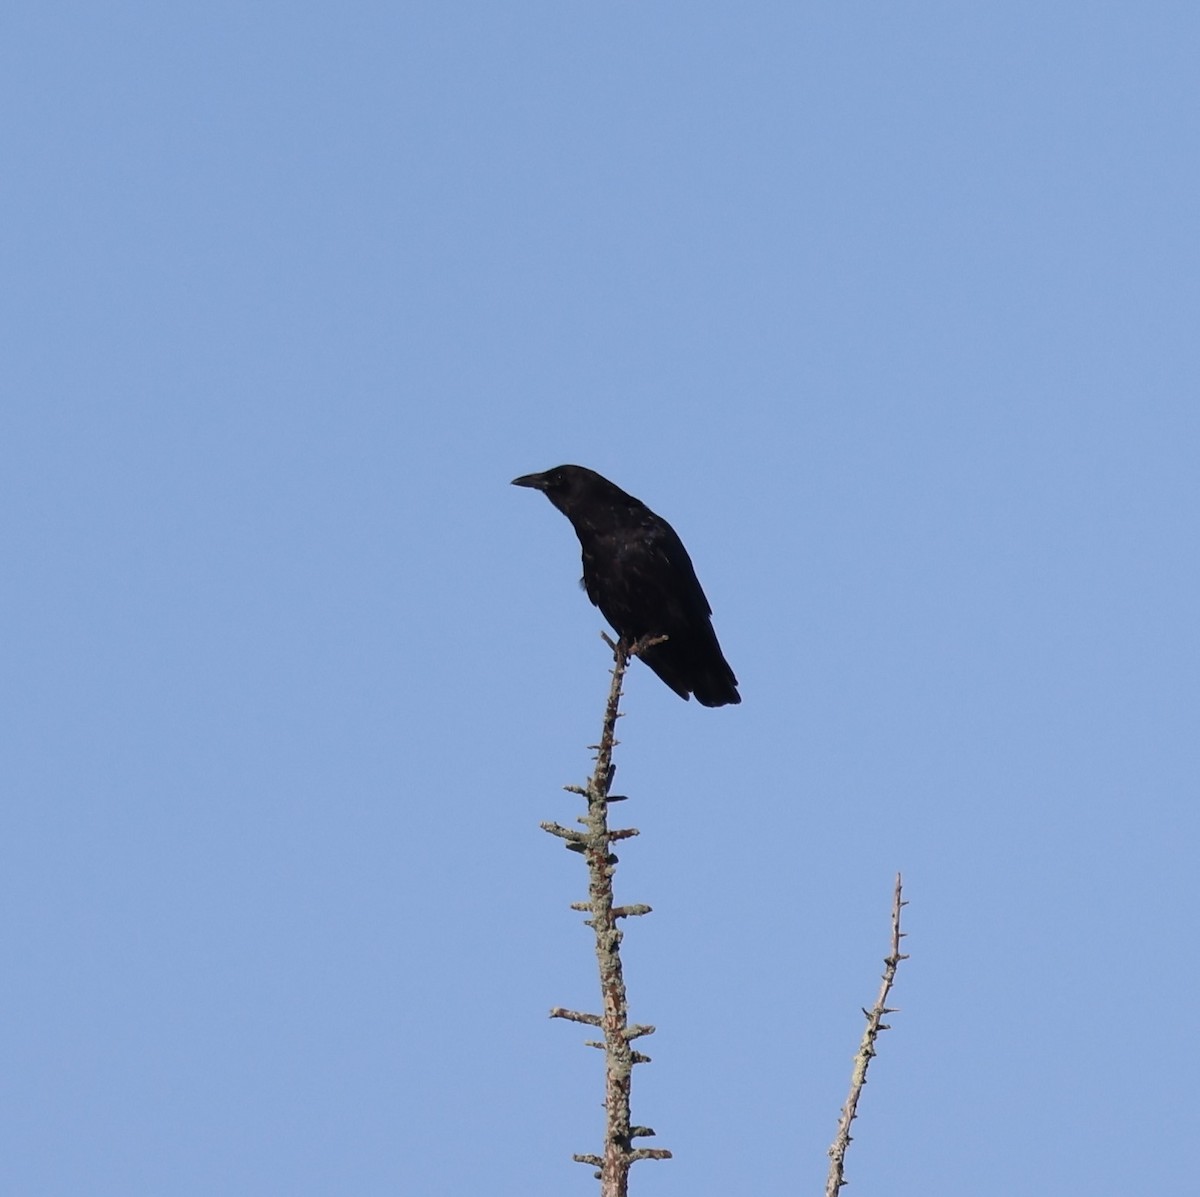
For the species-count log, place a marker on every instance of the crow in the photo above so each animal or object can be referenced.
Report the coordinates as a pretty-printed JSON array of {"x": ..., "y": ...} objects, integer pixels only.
[{"x": 636, "y": 570}]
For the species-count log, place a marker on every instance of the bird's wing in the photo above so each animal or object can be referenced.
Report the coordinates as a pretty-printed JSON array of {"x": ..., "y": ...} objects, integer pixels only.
[
  {"x": 685, "y": 589},
  {"x": 643, "y": 570}
]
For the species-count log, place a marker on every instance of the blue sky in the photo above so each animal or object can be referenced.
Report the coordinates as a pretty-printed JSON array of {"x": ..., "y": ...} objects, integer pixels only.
[{"x": 891, "y": 310}]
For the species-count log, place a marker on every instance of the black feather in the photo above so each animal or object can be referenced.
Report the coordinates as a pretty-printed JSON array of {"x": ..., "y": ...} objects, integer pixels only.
[{"x": 636, "y": 570}]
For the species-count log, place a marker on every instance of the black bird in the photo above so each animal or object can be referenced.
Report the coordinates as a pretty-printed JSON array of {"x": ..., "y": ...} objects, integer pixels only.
[{"x": 636, "y": 570}]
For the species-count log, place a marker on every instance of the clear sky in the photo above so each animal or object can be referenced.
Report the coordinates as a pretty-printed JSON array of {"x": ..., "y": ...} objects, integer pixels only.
[{"x": 892, "y": 310}]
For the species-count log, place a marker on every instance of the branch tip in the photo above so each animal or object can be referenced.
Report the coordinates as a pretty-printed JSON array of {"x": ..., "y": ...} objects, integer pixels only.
[{"x": 866, "y": 1049}]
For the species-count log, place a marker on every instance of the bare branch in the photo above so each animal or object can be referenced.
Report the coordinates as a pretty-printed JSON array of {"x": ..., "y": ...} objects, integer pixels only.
[
  {"x": 866, "y": 1050},
  {"x": 595, "y": 845}
]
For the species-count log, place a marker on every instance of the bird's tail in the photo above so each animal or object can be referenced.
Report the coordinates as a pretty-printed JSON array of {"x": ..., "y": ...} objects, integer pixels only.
[{"x": 694, "y": 669}]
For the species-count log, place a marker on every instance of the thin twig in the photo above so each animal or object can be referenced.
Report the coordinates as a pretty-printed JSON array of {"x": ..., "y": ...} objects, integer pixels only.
[
  {"x": 595, "y": 845},
  {"x": 866, "y": 1050}
]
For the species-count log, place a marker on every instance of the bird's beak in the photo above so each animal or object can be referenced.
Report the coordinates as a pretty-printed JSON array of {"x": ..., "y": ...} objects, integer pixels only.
[{"x": 537, "y": 481}]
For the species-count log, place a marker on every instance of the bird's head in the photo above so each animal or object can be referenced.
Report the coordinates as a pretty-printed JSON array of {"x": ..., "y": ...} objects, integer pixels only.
[{"x": 564, "y": 485}]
